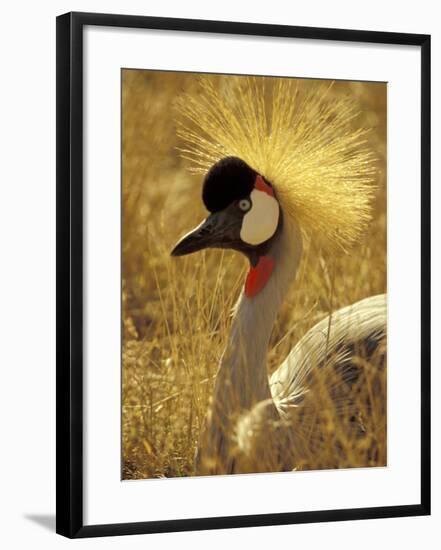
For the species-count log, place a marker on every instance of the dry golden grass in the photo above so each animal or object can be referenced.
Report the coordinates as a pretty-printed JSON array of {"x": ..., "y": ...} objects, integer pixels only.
[{"x": 176, "y": 312}]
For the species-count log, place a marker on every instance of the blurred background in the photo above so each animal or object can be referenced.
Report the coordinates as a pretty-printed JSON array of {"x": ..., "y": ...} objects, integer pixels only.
[{"x": 176, "y": 312}]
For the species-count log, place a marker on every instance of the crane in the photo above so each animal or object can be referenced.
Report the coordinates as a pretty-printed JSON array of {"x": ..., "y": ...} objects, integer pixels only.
[{"x": 274, "y": 176}]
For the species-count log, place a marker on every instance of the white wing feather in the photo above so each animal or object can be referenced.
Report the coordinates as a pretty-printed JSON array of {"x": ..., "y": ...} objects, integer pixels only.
[{"x": 364, "y": 320}]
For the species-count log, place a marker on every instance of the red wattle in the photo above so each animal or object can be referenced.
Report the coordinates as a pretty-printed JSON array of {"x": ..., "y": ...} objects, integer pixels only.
[
  {"x": 261, "y": 185},
  {"x": 258, "y": 276}
]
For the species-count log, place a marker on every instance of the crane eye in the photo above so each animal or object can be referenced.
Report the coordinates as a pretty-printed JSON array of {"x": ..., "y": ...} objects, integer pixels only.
[{"x": 244, "y": 205}]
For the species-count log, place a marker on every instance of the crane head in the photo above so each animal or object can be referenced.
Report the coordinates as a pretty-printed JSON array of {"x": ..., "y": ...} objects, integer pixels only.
[{"x": 245, "y": 214}]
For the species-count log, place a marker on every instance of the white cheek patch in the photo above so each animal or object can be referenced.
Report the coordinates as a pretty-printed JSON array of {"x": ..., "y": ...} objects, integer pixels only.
[{"x": 260, "y": 222}]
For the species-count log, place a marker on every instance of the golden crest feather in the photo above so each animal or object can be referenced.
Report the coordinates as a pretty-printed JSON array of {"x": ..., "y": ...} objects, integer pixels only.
[{"x": 302, "y": 141}]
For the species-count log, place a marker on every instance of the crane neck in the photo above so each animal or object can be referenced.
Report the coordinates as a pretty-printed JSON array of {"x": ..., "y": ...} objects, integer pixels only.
[{"x": 242, "y": 379}]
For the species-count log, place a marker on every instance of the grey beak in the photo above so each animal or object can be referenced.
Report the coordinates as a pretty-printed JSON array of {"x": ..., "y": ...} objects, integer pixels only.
[
  {"x": 216, "y": 231},
  {"x": 197, "y": 239}
]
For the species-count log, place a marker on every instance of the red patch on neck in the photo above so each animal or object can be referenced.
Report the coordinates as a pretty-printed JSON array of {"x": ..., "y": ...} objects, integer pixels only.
[
  {"x": 261, "y": 185},
  {"x": 258, "y": 276}
]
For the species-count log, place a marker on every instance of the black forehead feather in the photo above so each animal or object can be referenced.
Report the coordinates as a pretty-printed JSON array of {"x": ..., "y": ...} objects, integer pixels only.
[{"x": 228, "y": 180}]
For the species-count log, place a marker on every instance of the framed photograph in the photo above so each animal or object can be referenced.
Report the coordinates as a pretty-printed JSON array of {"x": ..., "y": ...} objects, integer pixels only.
[{"x": 243, "y": 274}]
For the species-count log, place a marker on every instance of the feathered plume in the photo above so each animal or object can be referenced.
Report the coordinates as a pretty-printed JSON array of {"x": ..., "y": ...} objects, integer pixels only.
[{"x": 303, "y": 142}]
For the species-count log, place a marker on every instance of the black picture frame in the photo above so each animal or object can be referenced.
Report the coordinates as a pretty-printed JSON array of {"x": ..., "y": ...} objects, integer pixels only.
[{"x": 69, "y": 295}]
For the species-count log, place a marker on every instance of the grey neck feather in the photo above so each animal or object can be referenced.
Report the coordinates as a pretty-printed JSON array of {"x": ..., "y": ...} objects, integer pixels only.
[{"x": 242, "y": 379}]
